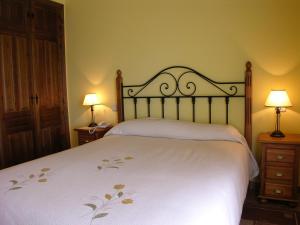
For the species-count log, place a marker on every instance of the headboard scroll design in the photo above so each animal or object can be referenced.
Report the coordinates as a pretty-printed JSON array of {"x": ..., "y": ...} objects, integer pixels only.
[{"x": 178, "y": 86}]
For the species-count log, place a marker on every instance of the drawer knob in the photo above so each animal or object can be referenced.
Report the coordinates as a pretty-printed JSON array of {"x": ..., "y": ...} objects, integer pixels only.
[
  {"x": 86, "y": 141},
  {"x": 279, "y": 157},
  {"x": 278, "y": 174},
  {"x": 277, "y": 191}
]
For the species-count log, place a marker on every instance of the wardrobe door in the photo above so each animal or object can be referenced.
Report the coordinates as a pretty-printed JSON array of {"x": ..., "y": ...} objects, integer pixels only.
[
  {"x": 16, "y": 102},
  {"x": 14, "y": 15},
  {"x": 49, "y": 77}
]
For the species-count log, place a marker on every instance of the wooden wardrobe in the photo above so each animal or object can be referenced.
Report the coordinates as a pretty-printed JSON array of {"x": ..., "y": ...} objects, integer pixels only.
[{"x": 33, "y": 103}]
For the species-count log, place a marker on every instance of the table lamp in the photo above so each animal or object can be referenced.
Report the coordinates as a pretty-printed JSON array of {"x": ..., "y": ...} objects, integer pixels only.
[
  {"x": 91, "y": 100},
  {"x": 278, "y": 99}
]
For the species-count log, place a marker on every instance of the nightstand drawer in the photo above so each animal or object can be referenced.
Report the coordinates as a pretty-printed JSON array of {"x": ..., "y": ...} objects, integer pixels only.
[
  {"x": 278, "y": 190},
  {"x": 100, "y": 134},
  {"x": 85, "y": 138},
  {"x": 279, "y": 173},
  {"x": 279, "y": 167},
  {"x": 84, "y": 135},
  {"x": 280, "y": 155}
]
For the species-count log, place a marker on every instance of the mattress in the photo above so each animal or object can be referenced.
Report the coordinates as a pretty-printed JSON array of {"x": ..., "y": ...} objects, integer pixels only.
[{"x": 127, "y": 179}]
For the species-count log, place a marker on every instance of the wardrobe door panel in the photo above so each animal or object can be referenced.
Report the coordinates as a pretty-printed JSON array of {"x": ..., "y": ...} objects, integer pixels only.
[
  {"x": 16, "y": 82},
  {"x": 19, "y": 148},
  {"x": 16, "y": 111},
  {"x": 46, "y": 70},
  {"x": 14, "y": 15},
  {"x": 46, "y": 19},
  {"x": 49, "y": 75},
  {"x": 7, "y": 73},
  {"x": 49, "y": 86}
]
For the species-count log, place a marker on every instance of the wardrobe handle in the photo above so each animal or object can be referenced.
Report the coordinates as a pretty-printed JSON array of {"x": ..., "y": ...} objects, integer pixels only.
[
  {"x": 280, "y": 157},
  {"x": 277, "y": 191},
  {"x": 278, "y": 174},
  {"x": 36, "y": 99}
]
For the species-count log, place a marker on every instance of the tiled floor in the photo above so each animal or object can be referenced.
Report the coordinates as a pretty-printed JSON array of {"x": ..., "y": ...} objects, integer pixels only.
[
  {"x": 270, "y": 213},
  {"x": 268, "y": 216}
]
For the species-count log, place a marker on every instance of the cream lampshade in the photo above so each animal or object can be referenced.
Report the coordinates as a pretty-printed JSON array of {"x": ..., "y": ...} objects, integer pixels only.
[
  {"x": 278, "y": 99},
  {"x": 91, "y": 100}
]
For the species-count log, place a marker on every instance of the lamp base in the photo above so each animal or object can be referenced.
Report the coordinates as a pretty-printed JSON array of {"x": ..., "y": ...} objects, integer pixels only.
[
  {"x": 93, "y": 124},
  {"x": 277, "y": 133}
]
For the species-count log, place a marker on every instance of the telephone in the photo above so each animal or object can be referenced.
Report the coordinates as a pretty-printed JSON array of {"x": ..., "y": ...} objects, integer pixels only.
[{"x": 102, "y": 124}]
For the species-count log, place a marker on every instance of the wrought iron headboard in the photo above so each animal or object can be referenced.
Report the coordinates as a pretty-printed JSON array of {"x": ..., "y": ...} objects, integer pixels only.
[{"x": 178, "y": 91}]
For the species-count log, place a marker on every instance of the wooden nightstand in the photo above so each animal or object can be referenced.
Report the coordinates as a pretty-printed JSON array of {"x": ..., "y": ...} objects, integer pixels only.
[
  {"x": 85, "y": 137},
  {"x": 279, "y": 167}
]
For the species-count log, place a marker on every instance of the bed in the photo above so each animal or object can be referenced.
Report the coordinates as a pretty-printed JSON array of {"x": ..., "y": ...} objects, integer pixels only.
[{"x": 153, "y": 171}]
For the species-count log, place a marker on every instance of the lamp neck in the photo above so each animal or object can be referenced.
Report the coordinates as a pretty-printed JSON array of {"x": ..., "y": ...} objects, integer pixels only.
[
  {"x": 277, "y": 109},
  {"x": 92, "y": 124},
  {"x": 277, "y": 127}
]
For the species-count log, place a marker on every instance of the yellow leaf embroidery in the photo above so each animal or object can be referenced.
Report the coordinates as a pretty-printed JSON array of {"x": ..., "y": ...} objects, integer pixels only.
[
  {"x": 119, "y": 186},
  {"x": 100, "y": 215},
  {"x": 128, "y": 158},
  {"x": 41, "y": 175},
  {"x": 14, "y": 188},
  {"x": 14, "y": 182},
  {"x": 42, "y": 180},
  {"x": 127, "y": 201},
  {"x": 108, "y": 196},
  {"x": 45, "y": 169}
]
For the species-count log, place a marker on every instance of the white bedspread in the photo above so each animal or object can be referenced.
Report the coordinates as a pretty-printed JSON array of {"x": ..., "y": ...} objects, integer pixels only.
[{"x": 129, "y": 180}]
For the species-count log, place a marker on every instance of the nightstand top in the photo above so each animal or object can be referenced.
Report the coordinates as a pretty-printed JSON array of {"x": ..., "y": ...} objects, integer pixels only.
[
  {"x": 98, "y": 129},
  {"x": 288, "y": 139}
]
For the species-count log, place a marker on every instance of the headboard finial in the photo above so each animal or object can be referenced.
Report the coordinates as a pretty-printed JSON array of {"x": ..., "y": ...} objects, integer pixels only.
[
  {"x": 248, "y": 66},
  {"x": 119, "y": 74}
]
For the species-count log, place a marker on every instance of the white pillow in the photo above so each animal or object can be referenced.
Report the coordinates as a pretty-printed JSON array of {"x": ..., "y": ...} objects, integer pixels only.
[{"x": 152, "y": 127}]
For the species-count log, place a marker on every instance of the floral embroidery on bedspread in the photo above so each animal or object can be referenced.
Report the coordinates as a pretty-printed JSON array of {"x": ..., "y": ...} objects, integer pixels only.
[
  {"x": 114, "y": 163},
  {"x": 119, "y": 196},
  {"x": 40, "y": 177}
]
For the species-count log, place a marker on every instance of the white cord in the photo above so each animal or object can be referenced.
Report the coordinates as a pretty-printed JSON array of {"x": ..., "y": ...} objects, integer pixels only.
[{"x": 92, "y": 130}]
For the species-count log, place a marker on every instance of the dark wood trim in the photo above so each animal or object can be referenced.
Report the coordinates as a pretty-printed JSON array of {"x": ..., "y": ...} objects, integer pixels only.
[
  {"x": 35, "y": 110},
  {"x": 64, "y": 77},
  {"x": 119, "y": 87},
  {"x": 2, "y": 160},
  {"x": 49, "y": 2},
  {"x": 248, "y": 104},
  {"x": 291, "y": 139}
]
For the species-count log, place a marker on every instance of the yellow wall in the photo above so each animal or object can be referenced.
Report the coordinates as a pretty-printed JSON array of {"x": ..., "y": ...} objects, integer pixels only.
[{"x": 216, "y": 37}]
